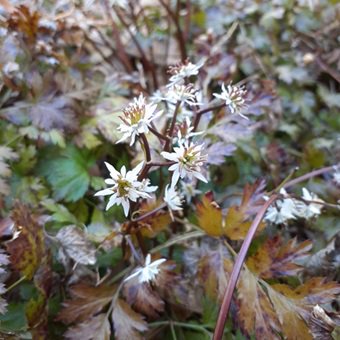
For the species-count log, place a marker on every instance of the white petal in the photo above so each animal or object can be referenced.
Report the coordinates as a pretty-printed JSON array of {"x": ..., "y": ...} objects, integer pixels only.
[
  {"x": 111, "y": 168},
  {"x": 200, "y": 176},
  {"x": 175, "y": 178},
  {"x": 112, "y": 201},
  {"x": 104, "y": 192},
  {"x": 126, "y": 207},
  {"x": 169, "y": 156}
]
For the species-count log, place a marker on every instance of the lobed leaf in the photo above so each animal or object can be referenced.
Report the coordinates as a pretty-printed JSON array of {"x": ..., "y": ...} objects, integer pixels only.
[{"x": 275, "y": 259}]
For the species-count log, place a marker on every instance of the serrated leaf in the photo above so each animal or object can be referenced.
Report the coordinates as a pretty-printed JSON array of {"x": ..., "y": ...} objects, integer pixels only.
[
  {"x": 150, "y": 227},
  {"x": 275, "y": 259},
  {"x": 75, "y": 244},
  {"x": 255, "y": 310},
  {"x": 60, "y": 212},
  {"x": 143, "y": 298},
  {"x": 209, "y": 216},
  {"x": 28, "y": 249},
  {"x": 86, "y": 301},
  {"x": 68, "y": 173},
  {"x": 3, "y": 262},
  {"x": 6, "y": 154},
  {"x": 213, "y": 272},
  {"x": 126, "y": 322},
  {"x": 293, "y": 306},
  {"x": 96, "y": 328}
]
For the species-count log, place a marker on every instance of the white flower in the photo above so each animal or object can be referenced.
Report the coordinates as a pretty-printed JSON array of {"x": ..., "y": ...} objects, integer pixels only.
[
  {"x": 234, "y": 98},
  {"x": 182, "y": 93},
  {"x": 137, "y": 119},
  {"x": 172, "y": 199},
  {"x": 148, "y": 272},
  {"x": 125, "y": 187},
  {"x": 312, "y": 209},
  {"x": 185, "y": 131},
  {"x": 188, "y": 161},
  {"x": 181, "y": 71},
  {"x": 282, "y": 212},
  {"x": 189, "y": 190}
]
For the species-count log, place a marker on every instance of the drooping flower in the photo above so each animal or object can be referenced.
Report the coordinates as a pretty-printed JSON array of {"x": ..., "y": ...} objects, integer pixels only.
[
  {"x": 148, "y": 272},
  {"x": 233, "y": 96},
  {"x": 183, "y": 70},
  {"x": 188, "y": 161},
  {"x": 189, "y": 190},
  {"x": 125, "y": 187},
  {"x": 137, "y": 118}
]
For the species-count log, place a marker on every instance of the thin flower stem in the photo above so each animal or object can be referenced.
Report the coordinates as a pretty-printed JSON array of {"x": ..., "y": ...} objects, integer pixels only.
[
  {"x": 158, "y": 134},
  {"x": 149, "y": 213},
  {"x": 179, "y": 33},
  {"x": 309, "y": 175},
  {"x": 146, "y": 147},
  {"x": 13, "y": 285},
  {"x": 133, "y": 250},
  {"x": 203, "y": 111},
  {"x": 222, "y": 316},
  {"x": 172, "y": 126}
]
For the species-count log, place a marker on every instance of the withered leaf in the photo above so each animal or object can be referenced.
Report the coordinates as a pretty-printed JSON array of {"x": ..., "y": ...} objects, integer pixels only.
[
  {"x": 3, "y": 262},
  {"x": 27, "y": 250},
  {"x": 86, "y": 301},
  {"x": 75, "y": 244},
  {"x": 293, "y": 306},
  {"x": 153, "y": 225},
  {"x": 126, "y": 322},
  {"x": 320, "y": 324},
  {"x": 255, "y": 309},
  {"x": 213, "y": 272},
  {"x": 96, "y": 328},
  {"x": 209, "y": 216},
  {"x": 6, "y": 154},
  {"x": 143, "y": 298},
  {"x": 275, "y": 259}
]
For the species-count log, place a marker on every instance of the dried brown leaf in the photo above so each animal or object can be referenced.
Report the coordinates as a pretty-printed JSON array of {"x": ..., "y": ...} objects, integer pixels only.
[
  {"x": 96, "y": 328},
  {"x": 27, "y": 251},
  {"x": 275, "y": 259},
  {"x": 75, "y": 245},
  {"x": 126, "y": 322},
  {"x": 143, "y": 298},
  {"x": 255, "y": 311},
  {"x": 86, "y": 301}
]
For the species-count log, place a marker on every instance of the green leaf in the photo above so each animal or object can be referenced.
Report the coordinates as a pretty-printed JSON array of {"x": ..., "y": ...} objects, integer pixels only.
[
  {"x": 14, "y": 320},
  {"x": 68, "y": 173}
]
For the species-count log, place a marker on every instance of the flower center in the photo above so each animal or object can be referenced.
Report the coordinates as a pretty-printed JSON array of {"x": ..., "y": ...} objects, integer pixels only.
[{"x": 123, "y": 187}]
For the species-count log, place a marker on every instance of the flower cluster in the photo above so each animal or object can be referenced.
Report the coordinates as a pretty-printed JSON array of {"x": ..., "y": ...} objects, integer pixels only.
[
  {"x": 288, "y": 209},
  {"x": 182, "y": 71}
]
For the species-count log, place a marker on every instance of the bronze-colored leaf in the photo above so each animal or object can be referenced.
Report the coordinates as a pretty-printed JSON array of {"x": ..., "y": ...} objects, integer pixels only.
[
  {"x": 143, "y": 298},
  {"x": 209, "y": 216},
  {"x": 275, "y": 259},
  {"x": 86, "y": 301},
  {"x": 126, "y": 322},
  {"x": 96, "y": 328},
  {"x": 27, "y": 250},
  {"x": 255, "y": 310}
]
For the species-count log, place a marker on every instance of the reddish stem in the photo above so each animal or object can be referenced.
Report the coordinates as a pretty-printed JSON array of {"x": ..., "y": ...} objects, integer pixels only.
[{"x": 222, "y": 317}]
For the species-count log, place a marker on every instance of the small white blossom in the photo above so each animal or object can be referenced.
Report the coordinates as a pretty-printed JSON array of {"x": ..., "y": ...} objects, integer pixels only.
[
  {"x": 234, "y": 98},
  {"x": 181, "y": 71},
  {"x": 281, "y": 212},
  {"x": 189, "y": 190},
  {"x": 310, "y": 210},
  {"x": 172, "y": 199},
  {"x": 125, "y": 187},
  {"x": 188, "y": 161},
  {"x": 148, "y": 272},
  {"x": 186, "y": 131},
  {"x": 182, "y": 93},
  {"x": 137, "y": 118}
]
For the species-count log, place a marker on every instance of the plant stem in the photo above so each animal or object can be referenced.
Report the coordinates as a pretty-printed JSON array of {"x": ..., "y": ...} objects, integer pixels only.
[
  {"x": 309, "y": 175},
  {"x": 200, "y": 328},
  {"x": 179, "y": 33},
  {"x": 146, "y": 147},
  {"x": 13, "y": 285},
  {"x": 149, "y": 213},
  {"x": 158, "y": 134},
  {"x": 203, "y": 111},
  {"x": 172, "y": 126},
  {"x": 222, "y": 316}
]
